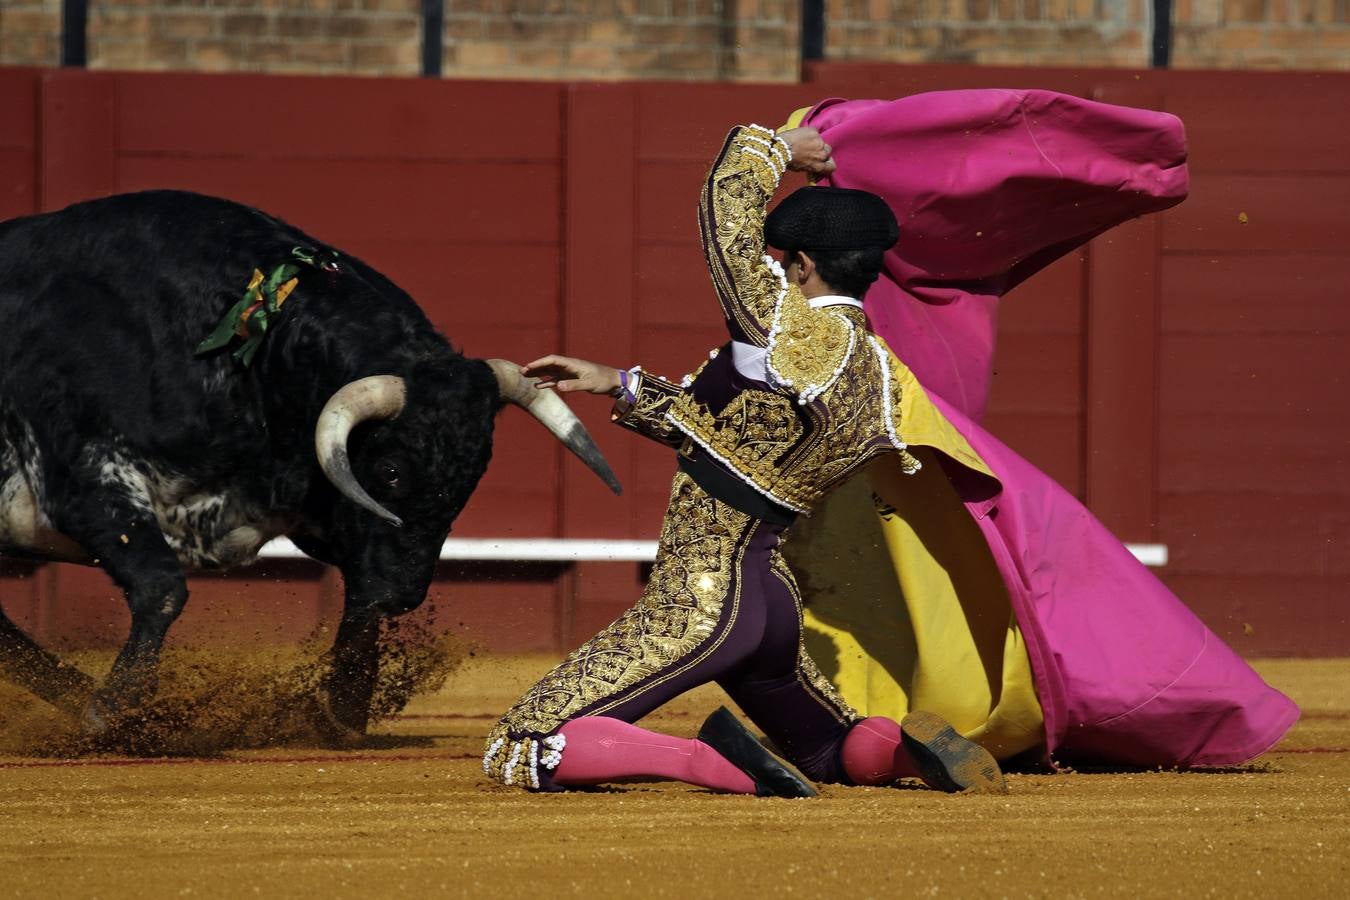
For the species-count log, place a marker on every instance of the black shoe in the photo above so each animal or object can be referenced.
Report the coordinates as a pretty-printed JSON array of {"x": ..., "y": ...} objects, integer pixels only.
[
  {"x": 947, "y": 761},
  {"x": 772, "y": 777}
]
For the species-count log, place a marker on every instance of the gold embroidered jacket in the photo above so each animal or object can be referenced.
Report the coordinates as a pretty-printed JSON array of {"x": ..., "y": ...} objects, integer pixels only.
[{"x": 832, "y": 396}]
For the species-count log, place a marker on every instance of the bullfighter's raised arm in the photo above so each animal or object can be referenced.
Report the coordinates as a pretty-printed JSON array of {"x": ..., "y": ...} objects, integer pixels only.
[{"x": 741, "y": 182}]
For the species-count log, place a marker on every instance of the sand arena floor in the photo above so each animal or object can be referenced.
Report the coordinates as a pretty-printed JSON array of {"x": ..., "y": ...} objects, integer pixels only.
[{"x": 411, "y": 815}]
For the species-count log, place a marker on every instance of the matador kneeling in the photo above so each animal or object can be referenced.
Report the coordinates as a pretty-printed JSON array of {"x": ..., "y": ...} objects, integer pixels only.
[{"x": 802, "y": 397}]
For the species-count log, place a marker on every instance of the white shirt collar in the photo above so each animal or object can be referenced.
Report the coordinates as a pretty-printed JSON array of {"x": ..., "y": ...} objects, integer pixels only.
[{"x": 834, "y": 300}]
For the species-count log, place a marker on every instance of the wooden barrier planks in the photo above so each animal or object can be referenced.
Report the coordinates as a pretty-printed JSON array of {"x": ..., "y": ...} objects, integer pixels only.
[{"x": 532, "y": 217}]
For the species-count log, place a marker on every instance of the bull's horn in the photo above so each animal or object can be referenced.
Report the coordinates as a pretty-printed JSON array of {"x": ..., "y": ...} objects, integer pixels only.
[
  {"x": 548, "y": 408},
  {"x": 375, "y": 397}
]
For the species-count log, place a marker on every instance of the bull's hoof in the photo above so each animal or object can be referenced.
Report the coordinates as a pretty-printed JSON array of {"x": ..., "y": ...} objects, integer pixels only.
[
  {"x": 111, "y": 709},
  {"x": 336, "y": 733},
  {"x": 99, "y": 716}
]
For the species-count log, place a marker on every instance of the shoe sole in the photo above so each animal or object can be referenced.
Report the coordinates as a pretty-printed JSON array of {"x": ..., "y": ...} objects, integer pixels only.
[{"x": 946, "y": 760}]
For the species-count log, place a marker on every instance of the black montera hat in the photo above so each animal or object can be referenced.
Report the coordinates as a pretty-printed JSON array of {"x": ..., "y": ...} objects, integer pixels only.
[{"x": 830, "y": 218}]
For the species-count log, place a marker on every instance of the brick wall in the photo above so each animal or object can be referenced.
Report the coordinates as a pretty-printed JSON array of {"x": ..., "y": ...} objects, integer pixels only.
[
  {"x": 729, "y": 40},
  {"x": 1262, "y": 34},
  {"x": 736, "y": 40},
  {"x": 30, "y": 32},
  {"x": 363, "y": 37},
  {"x": 991, "y": 32},
  {"x": 1215, "y": 34}
]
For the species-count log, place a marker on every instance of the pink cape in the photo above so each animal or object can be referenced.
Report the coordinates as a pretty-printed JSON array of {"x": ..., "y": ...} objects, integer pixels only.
[{"x": 989, "y": 187}]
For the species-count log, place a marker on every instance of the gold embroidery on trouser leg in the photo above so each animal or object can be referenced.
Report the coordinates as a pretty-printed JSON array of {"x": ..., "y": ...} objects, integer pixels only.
[
  {"x": 700, "y": 548},
  {"x": 808, "y": 675}
]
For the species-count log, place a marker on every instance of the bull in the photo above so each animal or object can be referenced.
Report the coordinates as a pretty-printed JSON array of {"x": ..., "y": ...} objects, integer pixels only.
[{"x": 153, "y": 423}]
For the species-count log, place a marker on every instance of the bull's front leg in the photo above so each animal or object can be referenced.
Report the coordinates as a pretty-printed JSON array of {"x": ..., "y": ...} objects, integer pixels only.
[
  {"x": 354, "y": 665},
  {"x": 126, "y": 542},
  {"x": 156, "y": 592},
  {"x": 381, "y": 582}
]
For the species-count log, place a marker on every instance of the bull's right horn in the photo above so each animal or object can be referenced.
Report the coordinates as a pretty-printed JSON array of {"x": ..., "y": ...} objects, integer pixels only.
[
  {"x": 374, "y": 397},
  {"x": 556, "y": 416}
]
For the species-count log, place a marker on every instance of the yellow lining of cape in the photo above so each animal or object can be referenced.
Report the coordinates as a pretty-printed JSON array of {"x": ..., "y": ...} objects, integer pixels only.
[
  {"x": 934, "y": 629},
  {"x": 795, "y": 120}
]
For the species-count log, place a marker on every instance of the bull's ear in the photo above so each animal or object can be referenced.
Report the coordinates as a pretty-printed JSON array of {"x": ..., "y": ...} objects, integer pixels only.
[
  {"x": 375, "y": 397},
  {"x": 556, "y": 416}
]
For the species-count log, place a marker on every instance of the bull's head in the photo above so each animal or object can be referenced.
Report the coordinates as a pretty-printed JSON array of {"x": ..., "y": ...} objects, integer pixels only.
[
  {"x": 383, "y": 397},
  {"x": 423, "y": 461}
]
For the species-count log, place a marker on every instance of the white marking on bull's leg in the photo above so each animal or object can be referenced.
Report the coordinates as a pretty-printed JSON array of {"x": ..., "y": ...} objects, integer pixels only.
[
  {"x": 24, "y": 527},
  {"x": 115, "y": 471},
  {"x": 18, "y": 515}
]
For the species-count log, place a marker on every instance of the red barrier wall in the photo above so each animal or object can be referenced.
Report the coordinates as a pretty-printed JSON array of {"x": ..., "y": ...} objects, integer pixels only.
[{"x": 1183, "y": 373}]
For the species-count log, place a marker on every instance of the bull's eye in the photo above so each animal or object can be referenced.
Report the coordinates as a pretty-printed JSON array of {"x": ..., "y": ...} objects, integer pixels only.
[{"x": 387, "y": 472}]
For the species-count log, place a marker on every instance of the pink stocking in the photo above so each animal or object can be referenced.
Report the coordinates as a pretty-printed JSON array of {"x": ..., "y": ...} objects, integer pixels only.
[
  {"x": 873, "y": 754},
  {"x": 601, "y": 749}
]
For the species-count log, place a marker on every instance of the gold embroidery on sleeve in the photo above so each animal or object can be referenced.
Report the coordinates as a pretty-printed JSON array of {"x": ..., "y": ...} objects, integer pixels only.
[
  {"x": 647, "y": 413},
  {"x": 731, "y": 225}
]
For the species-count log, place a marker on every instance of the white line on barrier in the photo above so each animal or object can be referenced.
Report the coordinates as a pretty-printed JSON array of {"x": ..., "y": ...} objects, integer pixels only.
[
  {"x": 1154, "y": 555},
  {"x": 588, "y": 550}
]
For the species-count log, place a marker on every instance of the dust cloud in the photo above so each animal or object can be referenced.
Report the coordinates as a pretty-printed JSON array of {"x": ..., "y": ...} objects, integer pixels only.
[{"x": 215, "y": 699}]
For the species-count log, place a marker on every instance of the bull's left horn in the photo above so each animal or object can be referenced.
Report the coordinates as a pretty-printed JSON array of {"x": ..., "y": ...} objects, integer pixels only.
[
  {"x": 375, "y": 397},
  {"x": 548, "y": 408}
]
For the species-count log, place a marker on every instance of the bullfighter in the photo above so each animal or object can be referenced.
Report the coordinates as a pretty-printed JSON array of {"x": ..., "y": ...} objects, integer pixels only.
[{"x": 802, "y": 397}]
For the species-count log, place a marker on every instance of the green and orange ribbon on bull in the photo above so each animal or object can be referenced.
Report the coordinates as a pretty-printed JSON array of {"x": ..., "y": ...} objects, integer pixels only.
[{"x": 257, "y": 309}]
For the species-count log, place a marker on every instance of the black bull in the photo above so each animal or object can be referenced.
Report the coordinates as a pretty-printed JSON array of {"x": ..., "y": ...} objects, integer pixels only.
[{"x": 123, "y": 445}]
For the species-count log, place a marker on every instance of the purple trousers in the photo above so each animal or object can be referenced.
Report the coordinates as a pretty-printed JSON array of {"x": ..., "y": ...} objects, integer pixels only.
[{"x": 721, "y": 605}]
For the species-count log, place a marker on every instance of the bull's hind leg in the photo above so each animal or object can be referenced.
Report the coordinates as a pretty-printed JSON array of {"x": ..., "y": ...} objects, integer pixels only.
[{"x": 26, "y": 664}]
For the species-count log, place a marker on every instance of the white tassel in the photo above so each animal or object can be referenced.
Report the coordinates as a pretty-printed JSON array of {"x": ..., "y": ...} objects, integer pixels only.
[
  {"x": 491, "y": 755},
  {"x": 885, "y": 362},
  {"x": 555, "y": 744},
  {"x": 508, "y": 772},
  {"x": 771, "y": 163},
  {"x": 777, "y": 325}
]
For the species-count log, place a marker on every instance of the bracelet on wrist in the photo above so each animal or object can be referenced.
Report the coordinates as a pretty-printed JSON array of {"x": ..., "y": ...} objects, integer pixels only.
[{"x": 627, "y": 378}]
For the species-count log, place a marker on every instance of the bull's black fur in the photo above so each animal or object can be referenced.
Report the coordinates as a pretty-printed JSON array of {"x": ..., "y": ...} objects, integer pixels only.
[{"x": 101, "y": 307}]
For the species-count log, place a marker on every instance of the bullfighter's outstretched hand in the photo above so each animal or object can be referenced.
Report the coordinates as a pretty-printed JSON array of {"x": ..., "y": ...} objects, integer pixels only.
[{"x": 567, "y": 373}]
